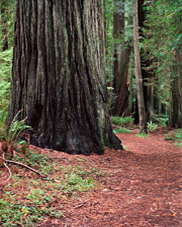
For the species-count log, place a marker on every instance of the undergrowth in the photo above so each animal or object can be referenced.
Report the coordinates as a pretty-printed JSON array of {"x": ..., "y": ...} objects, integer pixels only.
[
  {"x": 122, "y": 121},
  {"x": 151, "y": 126},
  {"x": 175, "y": 136},
  {"x": 121, "y": 124},
  {"x": 5, "y": 79},
  {"x": 122, "y": 130},
  {"x": 160, "y": 119},
  {"x": 28, "y": 200},
  {"x": 142, "y": 135}
]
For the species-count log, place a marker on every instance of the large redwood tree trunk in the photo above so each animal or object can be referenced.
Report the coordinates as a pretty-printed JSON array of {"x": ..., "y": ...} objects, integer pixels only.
[{"x": 58, "y": 75}]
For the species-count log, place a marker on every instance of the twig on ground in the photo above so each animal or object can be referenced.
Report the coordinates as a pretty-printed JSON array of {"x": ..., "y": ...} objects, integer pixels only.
[
  {"x": 20, "y": 155},
  {"x": 27, "y": 167},
  {"x": 82, "y": 204},
  {"x": 23, "y": 165},
  {"x": 10, "y": 175}
]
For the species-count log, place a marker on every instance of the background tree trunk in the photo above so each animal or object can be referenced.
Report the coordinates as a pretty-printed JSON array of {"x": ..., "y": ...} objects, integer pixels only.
[
  {"x": 138, "y": 72},
  {"x": 147, "y": 75},
  {"x": 121, "y": 59},
  {"x": 4, "y": 24},
  {"x": 175, "y": 117},
  {"x": 58, "y": 75}
]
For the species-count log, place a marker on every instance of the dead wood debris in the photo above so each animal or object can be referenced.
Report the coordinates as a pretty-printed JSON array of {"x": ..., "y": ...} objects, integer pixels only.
[
  {"x": 83, "y": 203},
  {"x": 16, "y": 163},
  {"x": 5, "y": 148}
]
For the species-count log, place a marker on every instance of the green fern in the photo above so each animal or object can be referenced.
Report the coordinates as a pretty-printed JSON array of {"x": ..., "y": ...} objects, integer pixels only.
[{"x": 13, "y": 135}]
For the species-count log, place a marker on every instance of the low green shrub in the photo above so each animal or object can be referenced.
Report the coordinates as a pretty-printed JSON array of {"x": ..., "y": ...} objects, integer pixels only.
[
  {"x": 5, "y": 76},
  {"x": 151, "y": 126},
  {"x": 142, "y": 135},
  {"x": 12, "y": 136},
  {"x": 122, "y": 130},
  {"x": 122, "y": 121},
  {"x": 176, "y": 136},
  {"x": 160, "y": 119}
]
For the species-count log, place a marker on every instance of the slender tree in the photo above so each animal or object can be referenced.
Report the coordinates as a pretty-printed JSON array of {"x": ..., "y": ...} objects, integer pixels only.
[
  {"x": 147, "y": 75},
  {"x": 138, "y": 72},
  {"x": 58, "y": 76}
]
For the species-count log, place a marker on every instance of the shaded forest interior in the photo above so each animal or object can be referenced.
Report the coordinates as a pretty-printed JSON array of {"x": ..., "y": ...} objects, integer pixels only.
[
  {"x": 73, "y": 65},
  {"x": 60, "y": 76},
  {"x": 101, "y": 79}
]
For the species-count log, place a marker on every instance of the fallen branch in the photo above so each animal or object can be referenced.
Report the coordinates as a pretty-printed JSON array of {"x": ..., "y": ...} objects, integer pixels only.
[
  {"x": 10, "y": 175},
  {"x": 23, "y": 165},
  {"x": 20, "y": 155}
]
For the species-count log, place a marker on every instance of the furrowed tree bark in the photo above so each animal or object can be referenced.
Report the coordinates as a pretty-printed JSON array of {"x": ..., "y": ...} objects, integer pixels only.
[
  {"x": 58, "y": 75},
  {"x": 175, "y": 116},
  {"x": 147, "y": 75},
  {"x": 138, "y": 72},
  {"x": 4, "y": 31},
  {"x": 121, "y": 59}
]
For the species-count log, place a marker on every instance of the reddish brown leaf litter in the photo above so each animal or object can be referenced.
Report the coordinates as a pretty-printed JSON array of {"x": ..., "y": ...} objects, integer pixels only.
[{"x": 141, "y": 186}]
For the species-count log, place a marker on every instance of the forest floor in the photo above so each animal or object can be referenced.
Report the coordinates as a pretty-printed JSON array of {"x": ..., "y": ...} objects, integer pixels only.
[{"x": 140, "y": 186}]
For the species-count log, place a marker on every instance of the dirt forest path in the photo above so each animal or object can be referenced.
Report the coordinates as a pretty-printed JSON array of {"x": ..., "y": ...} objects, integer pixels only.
[{"x": 141, "y": 186}]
